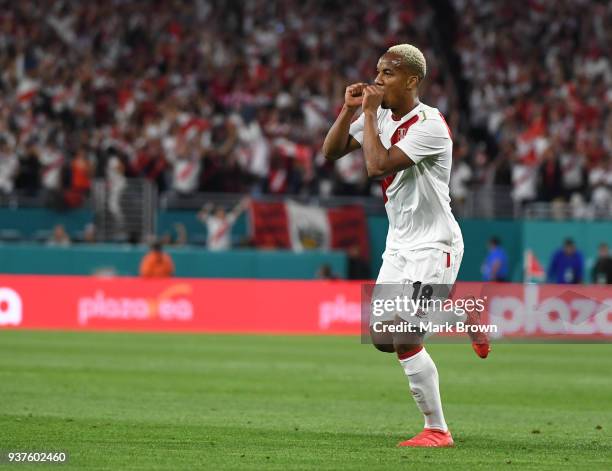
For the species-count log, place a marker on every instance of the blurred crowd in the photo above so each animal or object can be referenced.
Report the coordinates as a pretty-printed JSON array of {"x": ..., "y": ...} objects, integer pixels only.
[
  {"x": 540, "y": 94},
  {"x": 219, "y": 96},
  {"x": 196, "y": 96}
]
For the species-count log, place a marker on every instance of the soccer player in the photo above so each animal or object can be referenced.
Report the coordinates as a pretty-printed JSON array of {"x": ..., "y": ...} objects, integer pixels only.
[{"x": 409, "y": 146}]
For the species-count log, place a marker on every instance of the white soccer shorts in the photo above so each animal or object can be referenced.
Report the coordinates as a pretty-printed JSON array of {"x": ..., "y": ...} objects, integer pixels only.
[{"x": 402, "y": 269}]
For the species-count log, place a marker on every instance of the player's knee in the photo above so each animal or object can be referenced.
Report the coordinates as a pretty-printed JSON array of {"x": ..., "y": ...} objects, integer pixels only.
[
  {"x": 405, "y": 343},
  {"x": 382, "y": 341},
  {"x": 405, "y": 340},
  {"x": 384, "y": 347},
  {"x": 402, "y": 348}
]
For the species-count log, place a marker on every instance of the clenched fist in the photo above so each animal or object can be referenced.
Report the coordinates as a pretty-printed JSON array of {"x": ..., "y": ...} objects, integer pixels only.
[
  {"x": 353, "y": 95},
  {"x": 372, "y": 97}
]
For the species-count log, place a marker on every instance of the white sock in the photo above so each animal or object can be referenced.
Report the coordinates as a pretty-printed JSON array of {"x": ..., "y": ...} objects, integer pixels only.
[{"x": 423, "y": 378}]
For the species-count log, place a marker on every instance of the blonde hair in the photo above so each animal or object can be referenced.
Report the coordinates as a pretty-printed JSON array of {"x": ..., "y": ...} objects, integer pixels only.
[{"x": 412, "y": 57}]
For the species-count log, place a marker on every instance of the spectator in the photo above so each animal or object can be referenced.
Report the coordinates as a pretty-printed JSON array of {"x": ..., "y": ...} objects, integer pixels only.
[
  {"x": 180, "y": 236},
  {"x": 602, "y": 271},
  {"x": 600, "y": 179},
  {"x": 89, "y": 234},
  {"x": 351, "y": 175},
  {"x": 117, "y": 182},
  {"x": 28, "y": 179},
  {"x": 254, "y": 150},
  {"x": 52, "y": 161},
  {"x": 80, "y": 179},
  {"x": 156, "y": 263},
  {"x": 278, "y": 177},
  {"x": 8, "y": 168},
  {"x": 59, "y": 237},
  {"x": 460, "y": 178},
  {"x": 524, "y": 181},
  {"x": 566, "y": 265},
  {"x": 219, "y": 225},
  {"x": 495, "y": 266},
  {"x": 573, "y": 174},
  {"x": 151, "y": 163},
  {"x": 549, "y": 177},
  {"x": 185, "y": 161}
]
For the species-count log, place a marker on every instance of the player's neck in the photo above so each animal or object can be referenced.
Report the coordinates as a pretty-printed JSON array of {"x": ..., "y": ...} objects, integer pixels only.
[{"x": 400, "y": 112}]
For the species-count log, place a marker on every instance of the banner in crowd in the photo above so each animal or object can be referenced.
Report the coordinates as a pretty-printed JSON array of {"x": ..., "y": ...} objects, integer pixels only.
[
  {"x": 301, "y": 227},
  {"x": 279, "y": 307}
]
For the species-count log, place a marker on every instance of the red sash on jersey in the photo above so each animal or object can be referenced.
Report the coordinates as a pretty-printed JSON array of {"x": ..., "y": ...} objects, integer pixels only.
[
  {"x": 220, "y": 232},
  {"x": 398, "y": 135}
]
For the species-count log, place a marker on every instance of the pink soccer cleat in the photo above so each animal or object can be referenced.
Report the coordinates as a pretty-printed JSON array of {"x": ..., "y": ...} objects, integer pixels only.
[
  {"x": 430, "y": 438},
  {"x": 480, "y": 340}
]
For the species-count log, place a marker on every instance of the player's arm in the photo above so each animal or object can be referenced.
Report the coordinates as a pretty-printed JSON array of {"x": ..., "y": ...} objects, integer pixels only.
[
  {"x": 338, "y": 141},
  {"x": 379, "y": 161}
]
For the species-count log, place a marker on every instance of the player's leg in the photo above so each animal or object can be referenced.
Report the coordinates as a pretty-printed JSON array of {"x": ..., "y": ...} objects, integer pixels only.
[
  {"x": 388, "y": 284},
  {"x": 418, "y": 366},
  {"x": 382, "y": 341},
  {"x": 480, "y": 340},
  {"x": 422, "y": 375}
]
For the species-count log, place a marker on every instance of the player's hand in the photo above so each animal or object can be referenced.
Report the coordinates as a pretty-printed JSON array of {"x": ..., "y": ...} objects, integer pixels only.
[
  {"x": 372, "y": 97},
  {"x": 353, "y": 95}
]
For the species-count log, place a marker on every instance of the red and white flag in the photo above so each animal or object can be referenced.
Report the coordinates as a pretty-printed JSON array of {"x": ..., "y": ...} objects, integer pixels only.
[
  {"x": 309, "y": 227},
  {"x": 533, "y": 268},
  {"x": 302, "y": 227}
]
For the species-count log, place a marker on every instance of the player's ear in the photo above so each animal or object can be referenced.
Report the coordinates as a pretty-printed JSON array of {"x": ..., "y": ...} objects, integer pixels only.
[{"x": 412, "y": 82}]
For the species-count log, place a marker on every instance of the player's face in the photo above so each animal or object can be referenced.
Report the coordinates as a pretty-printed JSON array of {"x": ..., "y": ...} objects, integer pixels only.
[{"x": 395, "y": 78}]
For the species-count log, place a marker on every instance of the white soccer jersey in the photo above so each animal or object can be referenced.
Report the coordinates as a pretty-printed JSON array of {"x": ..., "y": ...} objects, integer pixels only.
[
  {"x": 417, "y": 199},
  {"x": 219, "y": 232}
]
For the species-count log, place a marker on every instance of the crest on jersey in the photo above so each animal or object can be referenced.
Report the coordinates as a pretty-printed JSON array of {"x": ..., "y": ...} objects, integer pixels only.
[{"x": 401, "y": 133}]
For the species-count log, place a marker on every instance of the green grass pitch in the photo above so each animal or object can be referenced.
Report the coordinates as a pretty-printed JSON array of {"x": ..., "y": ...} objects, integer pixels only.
[{"x": 174, "y": 401}]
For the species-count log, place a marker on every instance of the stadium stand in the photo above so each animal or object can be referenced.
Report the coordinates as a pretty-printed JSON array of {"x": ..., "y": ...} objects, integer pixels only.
[{"x": 164, "y": 91}]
